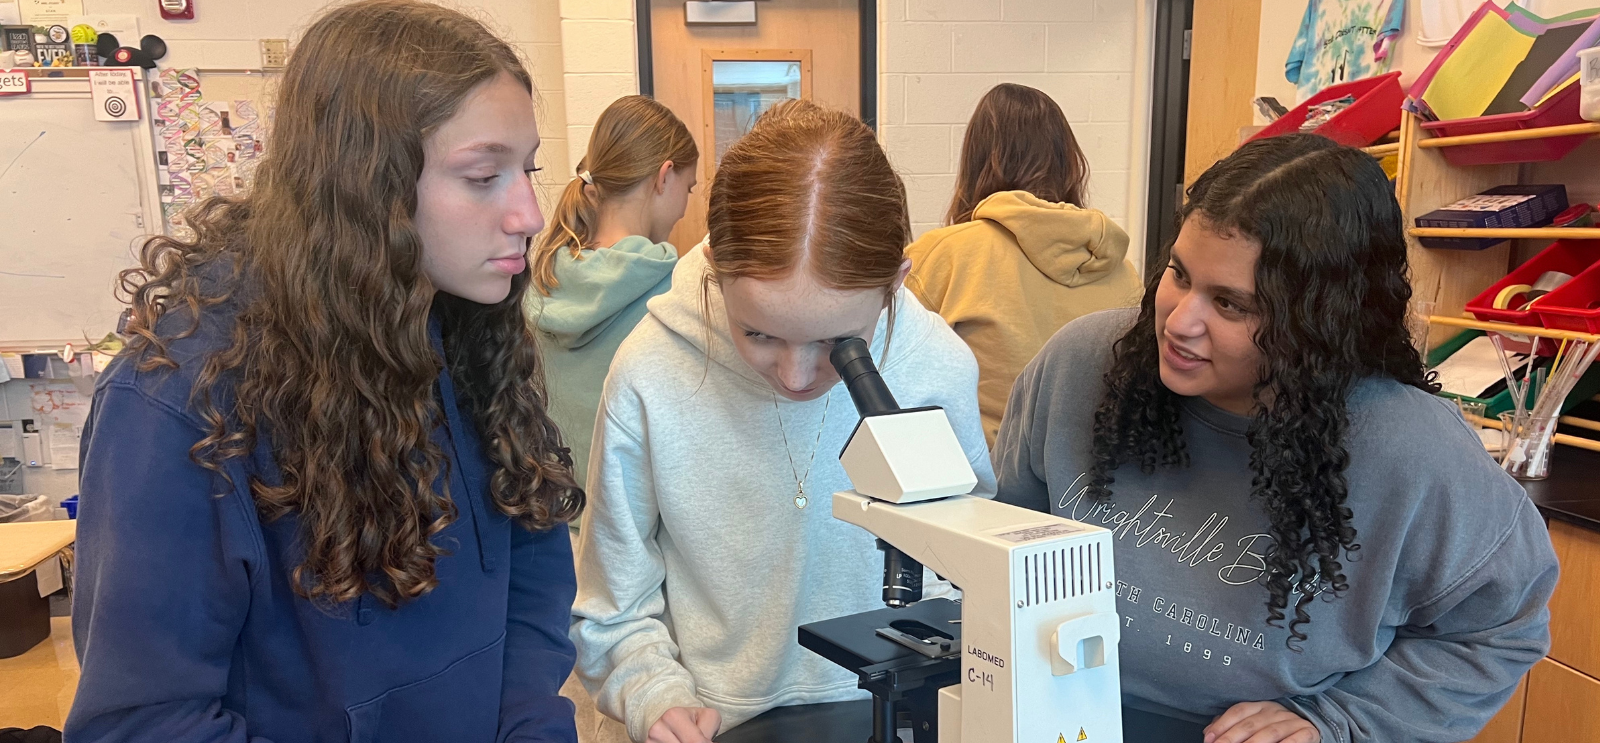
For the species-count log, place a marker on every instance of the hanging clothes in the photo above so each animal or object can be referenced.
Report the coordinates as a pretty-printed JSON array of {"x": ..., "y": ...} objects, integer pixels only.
[{"x": 1340, "y": 41}]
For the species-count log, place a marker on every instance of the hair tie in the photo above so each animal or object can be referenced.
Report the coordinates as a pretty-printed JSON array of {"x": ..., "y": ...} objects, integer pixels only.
[{"x": 586, "y": 177}]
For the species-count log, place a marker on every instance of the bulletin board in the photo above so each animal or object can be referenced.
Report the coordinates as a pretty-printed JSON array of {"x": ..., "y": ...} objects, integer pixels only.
[{"x": 211, "y": 133}]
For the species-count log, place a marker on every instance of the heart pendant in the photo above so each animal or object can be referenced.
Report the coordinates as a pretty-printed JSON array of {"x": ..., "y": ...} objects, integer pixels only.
[{"x": 800, "y": 501}]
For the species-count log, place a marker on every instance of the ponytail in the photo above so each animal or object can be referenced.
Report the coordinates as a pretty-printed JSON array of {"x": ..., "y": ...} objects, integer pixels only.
[
  {"x": 572, "y": 226},
  {"x": 631, "y": 140}
]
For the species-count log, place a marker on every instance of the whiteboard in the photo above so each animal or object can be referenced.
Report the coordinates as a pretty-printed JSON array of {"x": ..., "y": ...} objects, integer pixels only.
[{"x": 75, "y": 198}]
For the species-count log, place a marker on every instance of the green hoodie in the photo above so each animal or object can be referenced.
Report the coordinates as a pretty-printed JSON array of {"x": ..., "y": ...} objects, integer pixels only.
[{"x": 600, "y": 296}]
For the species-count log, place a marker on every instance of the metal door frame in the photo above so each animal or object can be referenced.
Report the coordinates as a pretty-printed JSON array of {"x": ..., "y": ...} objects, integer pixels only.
[
  {"x": 1169, "y": 120},
  {"x": 868, "y": 14}
]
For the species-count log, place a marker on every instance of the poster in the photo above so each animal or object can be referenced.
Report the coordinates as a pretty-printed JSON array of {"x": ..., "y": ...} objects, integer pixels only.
[
  {"x": 112, "y": 91},
  {"x": 49, "y": 12},
  {"x": 59, "y": 401},
  {"x": 62, "y": 411}
]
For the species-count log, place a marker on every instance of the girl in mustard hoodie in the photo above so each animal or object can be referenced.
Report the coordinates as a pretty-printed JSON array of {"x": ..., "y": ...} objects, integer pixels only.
[{"x": 1020, "y": 258}]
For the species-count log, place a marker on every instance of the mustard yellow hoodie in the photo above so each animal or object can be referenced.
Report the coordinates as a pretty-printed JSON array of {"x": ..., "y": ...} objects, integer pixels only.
[{"x": 1010, "y": 278}]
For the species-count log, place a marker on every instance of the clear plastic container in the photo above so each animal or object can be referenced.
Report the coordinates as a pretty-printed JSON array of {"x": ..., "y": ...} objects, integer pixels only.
[
  {"x": 1527, "y": 441},
  {"x": 1589, "y": 67}
]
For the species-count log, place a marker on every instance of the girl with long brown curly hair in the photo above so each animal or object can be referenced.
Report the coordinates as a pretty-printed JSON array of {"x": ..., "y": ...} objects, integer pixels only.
[{"x": 321, "y": 488}]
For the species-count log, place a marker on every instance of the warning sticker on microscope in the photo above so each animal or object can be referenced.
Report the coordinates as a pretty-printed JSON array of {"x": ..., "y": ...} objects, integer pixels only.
[{"x": 1043, "y": 531}]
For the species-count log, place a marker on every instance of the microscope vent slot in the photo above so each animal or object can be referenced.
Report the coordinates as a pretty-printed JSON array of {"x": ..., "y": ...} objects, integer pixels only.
[{"x": 1061, "y": 574}]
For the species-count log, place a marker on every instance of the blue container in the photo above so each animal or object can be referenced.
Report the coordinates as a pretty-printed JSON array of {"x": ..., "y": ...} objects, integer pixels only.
[{"x": 71, "y": 504}]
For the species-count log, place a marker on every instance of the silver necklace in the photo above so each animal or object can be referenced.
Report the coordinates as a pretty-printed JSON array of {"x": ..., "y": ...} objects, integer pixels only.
[{"x": 800, "y": 498}]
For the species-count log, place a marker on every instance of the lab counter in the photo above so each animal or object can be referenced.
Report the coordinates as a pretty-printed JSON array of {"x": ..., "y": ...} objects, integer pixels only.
[
  {"x": 851, "y": 722},
  {"x": 1572, "y": 491}
]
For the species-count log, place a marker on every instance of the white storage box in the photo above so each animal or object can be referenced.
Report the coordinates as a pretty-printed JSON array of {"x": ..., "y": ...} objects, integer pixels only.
[{"x": 1589, "y": 65}]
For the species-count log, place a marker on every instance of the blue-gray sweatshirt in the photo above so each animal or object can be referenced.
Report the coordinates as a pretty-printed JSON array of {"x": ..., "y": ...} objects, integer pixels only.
[
  {"x": 187, "y": 628},
  {"x": 600, "y": 297},
  {"x": 1446, "y": 605}
]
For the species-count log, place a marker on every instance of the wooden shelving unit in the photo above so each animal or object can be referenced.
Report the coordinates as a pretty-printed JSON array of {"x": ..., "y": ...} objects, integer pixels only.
[
  {"x": 1466, "y": 323},
  {"x": 1517, "y": 135},
  {"x": 1382, "y": 150},
  {"x": 1441, "y": 173},
  {"x": 1552, "y": 702},
  {"x": 1427, "y": 181},
  {"x": 1528, "y": 233}
]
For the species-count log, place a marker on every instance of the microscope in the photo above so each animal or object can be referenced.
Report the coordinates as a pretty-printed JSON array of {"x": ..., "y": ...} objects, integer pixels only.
[{"x": 1029, "y": 651}]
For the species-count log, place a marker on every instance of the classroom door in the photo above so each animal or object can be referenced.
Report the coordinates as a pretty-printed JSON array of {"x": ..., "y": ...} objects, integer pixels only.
[{"x": 719, "y": 78}]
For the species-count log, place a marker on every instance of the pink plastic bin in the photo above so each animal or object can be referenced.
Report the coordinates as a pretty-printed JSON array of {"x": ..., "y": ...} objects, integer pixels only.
[
  {"x": 1375, "y": 113},
  {"x": 1571, "y": 257},
  {"x": 1560, "y": 110},
  {"x": 1575, "y": 305}
]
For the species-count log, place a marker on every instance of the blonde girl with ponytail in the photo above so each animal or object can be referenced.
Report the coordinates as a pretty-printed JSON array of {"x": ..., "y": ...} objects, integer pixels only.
[{"x": 605, "y": 253}]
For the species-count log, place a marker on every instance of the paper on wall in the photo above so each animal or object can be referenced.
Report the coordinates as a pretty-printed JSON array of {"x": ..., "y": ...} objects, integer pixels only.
[
  {"x": 124, "y": 27},
  {"x": 59, "y": 402},
  {"x": 10, "y": 14},
  {"x": 50, "y": 12},
  {"x": 10, "y": 442},
  {"x": 64, "y": 440}
]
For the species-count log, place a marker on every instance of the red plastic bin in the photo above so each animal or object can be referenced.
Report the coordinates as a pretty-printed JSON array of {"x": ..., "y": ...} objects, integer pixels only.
[
  {"x": 1375, "y": 113},
  {"x": 1571, "y": 257},
  {"x": 1574, "y": 305},
  {"x": 1560, "y": 110}
]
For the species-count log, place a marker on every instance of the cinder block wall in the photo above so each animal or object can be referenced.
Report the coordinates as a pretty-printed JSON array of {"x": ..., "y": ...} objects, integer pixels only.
[{"x": 941, "y": 56}]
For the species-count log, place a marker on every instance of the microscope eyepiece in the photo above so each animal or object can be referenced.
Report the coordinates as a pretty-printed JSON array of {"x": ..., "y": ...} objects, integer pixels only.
[{"x": 852, "y": 358}]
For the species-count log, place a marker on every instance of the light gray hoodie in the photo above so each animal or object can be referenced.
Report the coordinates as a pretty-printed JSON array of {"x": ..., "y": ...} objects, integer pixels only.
[
  {"x": 694, "y": 566},
  {"x": 1446, "y": 603}
]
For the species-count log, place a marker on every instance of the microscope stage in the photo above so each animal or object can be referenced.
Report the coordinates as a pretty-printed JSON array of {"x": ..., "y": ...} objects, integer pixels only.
[{"x": 853, "y": 642}]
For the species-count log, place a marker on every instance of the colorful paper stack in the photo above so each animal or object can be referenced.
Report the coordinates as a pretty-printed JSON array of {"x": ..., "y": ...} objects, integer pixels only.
[{"x": 1504, "y": 61}]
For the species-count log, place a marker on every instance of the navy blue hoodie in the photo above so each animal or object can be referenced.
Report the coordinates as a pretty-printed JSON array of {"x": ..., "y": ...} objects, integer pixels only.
[{"x": 187, "y": 628}]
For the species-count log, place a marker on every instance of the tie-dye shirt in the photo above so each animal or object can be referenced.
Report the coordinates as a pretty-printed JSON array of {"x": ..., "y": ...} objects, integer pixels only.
[{"x": 1342, "y": 40}]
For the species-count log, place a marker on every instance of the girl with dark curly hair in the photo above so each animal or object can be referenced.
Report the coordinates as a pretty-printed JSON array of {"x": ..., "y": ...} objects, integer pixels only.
[
  {"x": 1310, "y": 546},
  {"x": 321, "y": 490}
]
